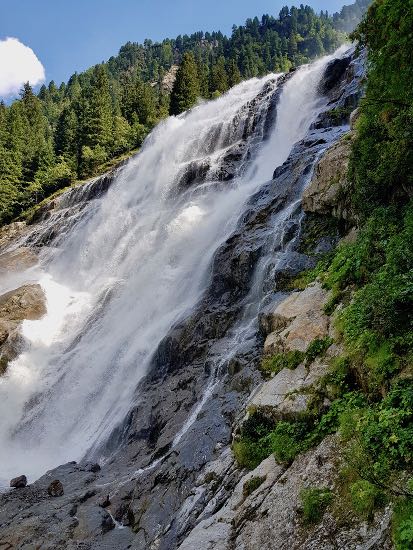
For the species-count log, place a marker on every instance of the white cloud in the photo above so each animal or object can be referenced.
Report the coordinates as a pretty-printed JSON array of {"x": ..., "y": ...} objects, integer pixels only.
[{"x": 18, "y": 64}]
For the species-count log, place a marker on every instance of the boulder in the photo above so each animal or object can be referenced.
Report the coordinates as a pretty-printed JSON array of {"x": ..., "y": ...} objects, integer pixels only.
[
  {"x": 329, "y": 188},
  {"x": 26, "y": 302},
  {"x": 93, "y": 467},
  {"x": 55, "y": 489},
  {"x": 104, "y": 501},
  {"x": 19, "y": 482},
  {"x": 297, "y": 321},
  {"x": 287, "y": 395}
]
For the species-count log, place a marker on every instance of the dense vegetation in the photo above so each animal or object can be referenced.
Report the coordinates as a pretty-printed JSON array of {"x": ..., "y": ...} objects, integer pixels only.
[
  {"x": 72, "y": 131},
  {"x": 371, "y": 386}
]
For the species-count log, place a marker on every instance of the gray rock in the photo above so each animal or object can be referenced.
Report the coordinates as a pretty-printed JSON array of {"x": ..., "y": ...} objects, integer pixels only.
[
  {"x": 18, "y": 482},
  {"x": 93, "y": 521},
  {"x": 25, "y": 302},
  {"x": 328, "y": 190},
  {"x": 298, "y": 320},
  {"x": 104, "y": 502},
  {"x": 55, "y": 489}
]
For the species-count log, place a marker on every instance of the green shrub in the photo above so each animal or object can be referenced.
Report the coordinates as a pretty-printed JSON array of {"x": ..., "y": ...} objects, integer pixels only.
[
  {"x": 339, "y": 379},
  {"x": 252, "y": 485},
  {"x": 314, "y": 503},
  {"x": 402, "y": 525},
  {"x": 381, "y": 435},
  {"x": 365, "y": 498},
  {"x": 318, "y": 347},
  {"x": 335, "y": 297},
  {"x": 285, "y": 441},
  {"x": 330, "y": 421},
  {"x": 276, "y": 363},
  {"x": 260, "y": 438},
  {"x": 248, "y": 453}
]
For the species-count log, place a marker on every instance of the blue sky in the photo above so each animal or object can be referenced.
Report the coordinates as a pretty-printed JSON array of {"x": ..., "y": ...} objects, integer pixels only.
[{"x": 71, "y": 35}]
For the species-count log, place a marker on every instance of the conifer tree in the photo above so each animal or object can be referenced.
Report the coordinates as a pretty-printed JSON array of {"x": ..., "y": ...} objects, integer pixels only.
[
  {"x": 219, "y": 79},
  {"x": 234, "y": 75},
  {"x": 138, "y": 97},
  {"x": 186, "y": 88},
  {"x": 98, "y": 118},
  {"x": 67, "y": 135}
]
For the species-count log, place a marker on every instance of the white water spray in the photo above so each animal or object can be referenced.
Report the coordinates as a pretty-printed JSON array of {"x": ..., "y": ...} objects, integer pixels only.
[{"x": 129, "y": 271}]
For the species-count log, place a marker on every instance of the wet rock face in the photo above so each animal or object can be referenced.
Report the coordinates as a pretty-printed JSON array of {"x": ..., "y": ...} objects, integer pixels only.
[
  {"x": 93, "y": 521},
  {"x": 270, "y": 517},
  {"x": 334, "y": 73},
  {"x": 16, "y": 260}
]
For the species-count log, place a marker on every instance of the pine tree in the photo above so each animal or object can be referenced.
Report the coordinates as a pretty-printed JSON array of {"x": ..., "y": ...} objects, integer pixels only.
[
  {"x": 138, "y": 98},
  {"x": 203, "y": 74},
  {"x": 35, "y": 127},
  {"x": 186, "y": 88},
  {"x": 219, "y": 79},
  {"x": 234, "y": 75},
  {"x": 67, "y": 136},
  {"x": 98, "y": 116}
]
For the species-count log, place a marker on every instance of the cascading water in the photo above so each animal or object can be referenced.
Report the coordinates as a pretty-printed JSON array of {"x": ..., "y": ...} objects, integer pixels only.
[{"x": 135, "y": 263}]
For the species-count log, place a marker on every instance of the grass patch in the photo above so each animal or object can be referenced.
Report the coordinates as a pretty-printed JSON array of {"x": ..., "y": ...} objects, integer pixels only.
[
  {"x": 365, "y": 498},
  {"x": 252, "y": 485},
  {"x": 276, "y": 363},
  {"x": 314, "y": 503},
  {"x": 317, "y": 348}
]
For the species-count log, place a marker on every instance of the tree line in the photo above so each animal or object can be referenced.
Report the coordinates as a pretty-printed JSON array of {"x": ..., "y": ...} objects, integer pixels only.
[{"x": 66, "y": 133}]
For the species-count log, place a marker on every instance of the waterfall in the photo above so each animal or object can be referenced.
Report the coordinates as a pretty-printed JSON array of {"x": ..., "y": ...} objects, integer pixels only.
[{"x": 137, "y": 261}]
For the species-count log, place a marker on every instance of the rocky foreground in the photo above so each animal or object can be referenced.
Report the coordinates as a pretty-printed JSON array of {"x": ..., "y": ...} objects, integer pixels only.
[{"x": 161, "y": 487}]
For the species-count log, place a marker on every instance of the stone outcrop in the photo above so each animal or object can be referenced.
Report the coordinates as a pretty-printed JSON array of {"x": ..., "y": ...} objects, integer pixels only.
[
  {"x": 288, "y": 394},
  {"x": 293, "y": 324},
  {"x": 297, "y": 321},
  {"x": 329, "y": 187},
  {"x": 27, "y": 302},
  {"x": 11, "y": 233},
  {"x": 271, "y": 516},
  {"x": 168, "y": 80}
]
